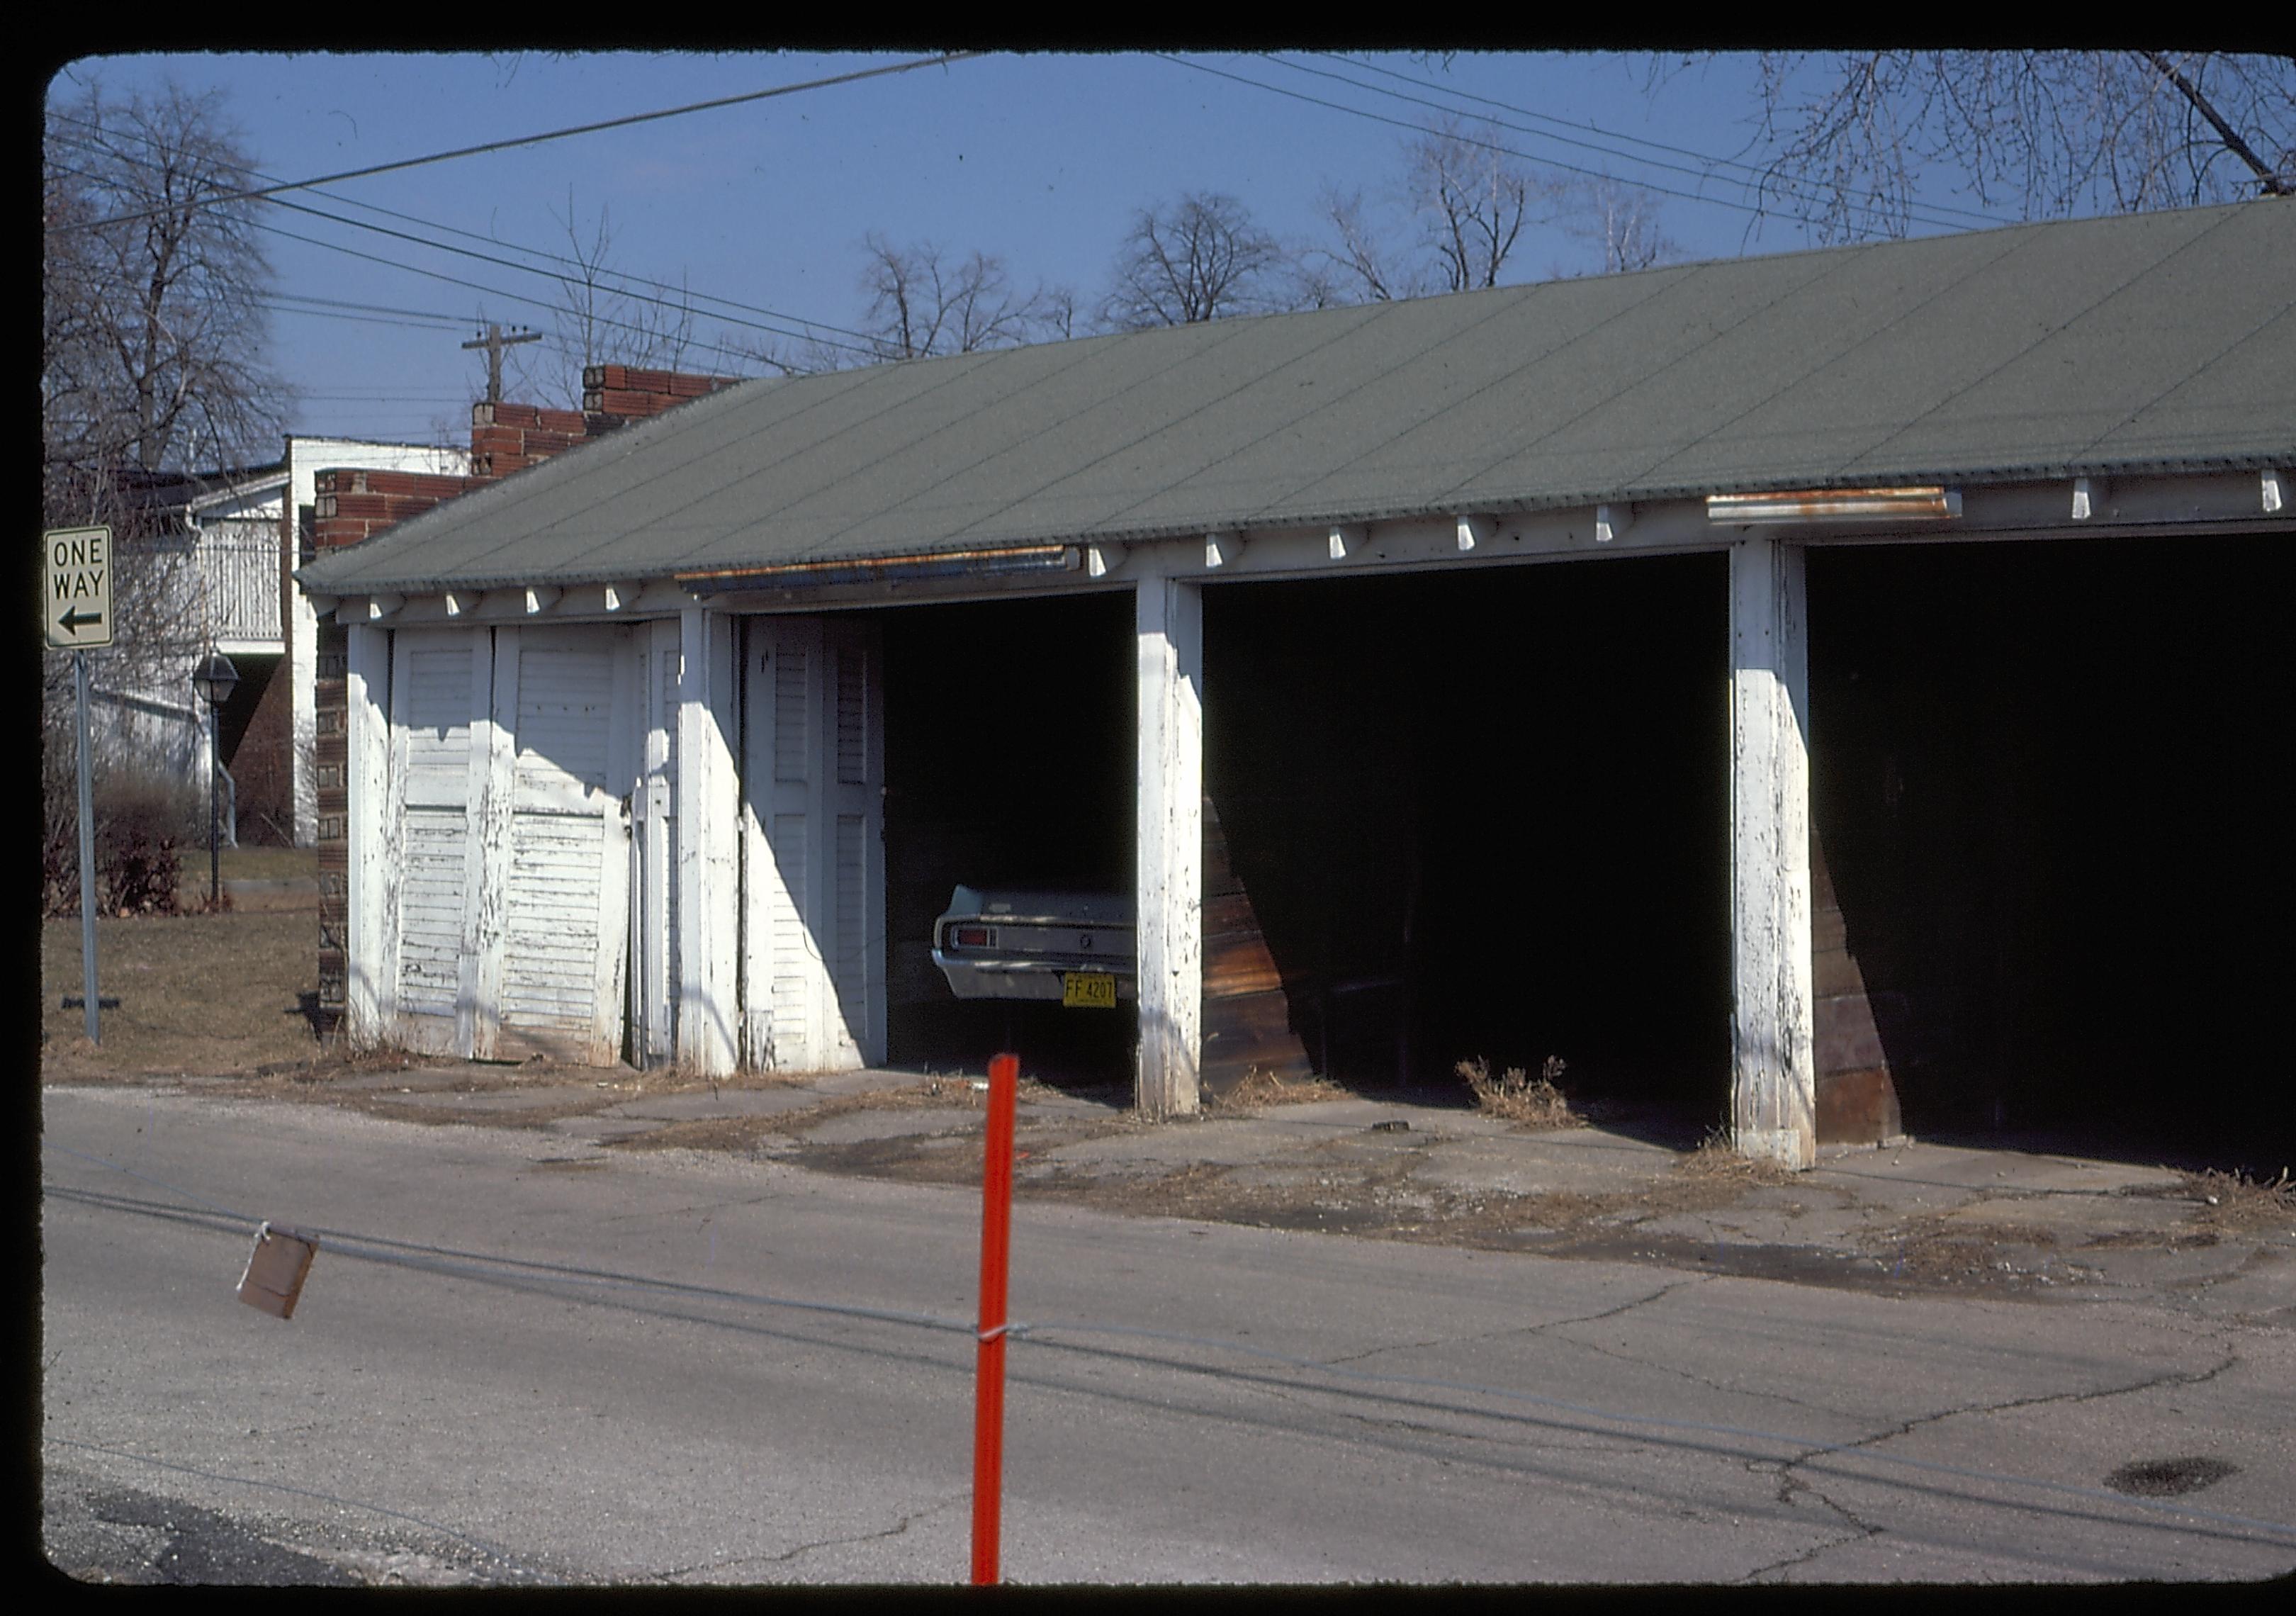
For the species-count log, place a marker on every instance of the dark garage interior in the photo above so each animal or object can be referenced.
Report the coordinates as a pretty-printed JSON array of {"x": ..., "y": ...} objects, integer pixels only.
[
  {"x": 1481, "y": 815},
  {"x": 1485, "y": 814},
  {"x": 1009, "y": 730},
  {"x": 2042, "y": 786}
]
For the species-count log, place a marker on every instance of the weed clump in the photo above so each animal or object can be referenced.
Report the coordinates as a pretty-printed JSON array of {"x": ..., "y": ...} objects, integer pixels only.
[
  {"x": 1261, "y": 1086},
  {"x": 1717, "y": 1157},
  {"x": 1519, "y": 1098},
  {"x": 2237, "y": 1202}
]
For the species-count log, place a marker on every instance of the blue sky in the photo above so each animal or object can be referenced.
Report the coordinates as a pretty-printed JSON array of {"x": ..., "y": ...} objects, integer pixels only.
[{"x": 1042, "y": 159}]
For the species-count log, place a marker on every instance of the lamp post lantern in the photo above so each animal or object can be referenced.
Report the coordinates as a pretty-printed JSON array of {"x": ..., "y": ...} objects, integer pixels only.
[{"x": 215, "y": 681}]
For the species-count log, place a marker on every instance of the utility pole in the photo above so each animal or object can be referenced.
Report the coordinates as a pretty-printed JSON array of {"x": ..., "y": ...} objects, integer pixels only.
[{"x": 493, "y": 342}]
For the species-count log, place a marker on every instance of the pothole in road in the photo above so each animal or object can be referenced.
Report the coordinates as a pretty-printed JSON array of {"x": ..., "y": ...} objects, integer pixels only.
[{"x": 2169, "y": 1477}]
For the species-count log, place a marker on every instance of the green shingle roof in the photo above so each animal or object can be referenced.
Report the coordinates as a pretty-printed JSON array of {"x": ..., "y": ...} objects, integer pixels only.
[{"x": 2154, "y": 342}]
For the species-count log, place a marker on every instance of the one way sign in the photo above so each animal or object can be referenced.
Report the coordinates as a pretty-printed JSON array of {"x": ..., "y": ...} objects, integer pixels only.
[{"x": 77, "y": 603}]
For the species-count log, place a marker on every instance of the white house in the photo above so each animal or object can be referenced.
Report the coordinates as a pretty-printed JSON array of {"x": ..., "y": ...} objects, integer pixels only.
[{"x": 227, "y": 540}]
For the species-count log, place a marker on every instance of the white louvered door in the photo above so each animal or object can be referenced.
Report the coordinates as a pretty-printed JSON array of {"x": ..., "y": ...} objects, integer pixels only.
[
  {"x": 439, "y": 731},
  {"x": 563, "y": 876},
  {"x": 854, "y": 803},
  {"x": 813, "y": 967}
]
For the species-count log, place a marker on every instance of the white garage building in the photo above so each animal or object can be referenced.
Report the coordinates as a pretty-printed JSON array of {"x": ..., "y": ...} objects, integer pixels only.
[{"x": 617, "y": 750}]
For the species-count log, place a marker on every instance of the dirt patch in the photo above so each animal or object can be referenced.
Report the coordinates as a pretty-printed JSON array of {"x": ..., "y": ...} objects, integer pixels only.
[
  {"x": 745, "y": 1134},
  {"x": 2151, "y": 1240}
]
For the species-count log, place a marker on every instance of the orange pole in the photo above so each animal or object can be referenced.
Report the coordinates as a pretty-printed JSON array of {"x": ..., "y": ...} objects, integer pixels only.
[{"x": 989, "y": 1374}]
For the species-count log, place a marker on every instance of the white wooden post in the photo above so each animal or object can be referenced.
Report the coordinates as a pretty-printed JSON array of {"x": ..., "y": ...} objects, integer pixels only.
[
  {"x": 494, "y": 791},
  {"x": 1169, "y": 618},
  {"x": 653, "y": 920},
  {"x": 370, "y": 973},
  {"x": 1773, "y": 1095},
  {"x": 708, "y": 844}
]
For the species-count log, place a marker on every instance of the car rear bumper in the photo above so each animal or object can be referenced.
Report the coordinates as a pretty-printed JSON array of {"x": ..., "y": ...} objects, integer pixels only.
[{"x": 1035, "y": 978}]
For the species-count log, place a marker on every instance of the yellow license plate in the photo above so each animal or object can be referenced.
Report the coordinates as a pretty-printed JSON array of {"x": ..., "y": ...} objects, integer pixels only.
[{"x": 1090, "y": 990}]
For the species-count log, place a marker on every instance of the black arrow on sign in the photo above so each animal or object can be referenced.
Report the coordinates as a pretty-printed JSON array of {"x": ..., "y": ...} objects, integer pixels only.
[{"x": 74, "y": 616}]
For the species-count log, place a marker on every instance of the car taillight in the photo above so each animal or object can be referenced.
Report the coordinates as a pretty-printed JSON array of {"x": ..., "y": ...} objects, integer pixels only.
[{"x": 972, "y": 937}]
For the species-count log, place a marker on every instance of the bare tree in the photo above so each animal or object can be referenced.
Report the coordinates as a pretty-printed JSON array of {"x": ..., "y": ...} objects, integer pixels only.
[
  {"x": 922, "y": 302},
  {"x": 152, "y": 328},
  {"x": 1620, "y": 221},
  {"x": 601, "y": 318},
  {"x": 1849, "y": 141},
  {"x": 1364, "y": 265},
  {"x": 1472, "y": 201},
  {"x": 1199, "y": 259},
  {"x": 1463, "y": 203},
  {"x": 151, "y": 370}
]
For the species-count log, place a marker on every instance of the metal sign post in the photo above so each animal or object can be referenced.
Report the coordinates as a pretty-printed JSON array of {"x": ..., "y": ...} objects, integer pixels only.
[
  {"x": 75, "y": 609},
  {"x": 87, "y": 859}
]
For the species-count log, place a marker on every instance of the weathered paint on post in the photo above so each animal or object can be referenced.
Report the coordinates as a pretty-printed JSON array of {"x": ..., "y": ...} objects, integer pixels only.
[
  {"x": 494, "y": 793},
  {"x": 709, "y": 846},
  {"x": 1773, "y": 1104},
  {"x": 370, "y": 971},
  {"x": 1168, "y": 875}
]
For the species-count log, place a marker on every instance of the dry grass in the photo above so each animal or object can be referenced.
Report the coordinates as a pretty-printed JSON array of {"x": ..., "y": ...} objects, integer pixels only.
[
  {"x": 198, "y": 993},
  {"x": 1716, "y": 1158},
  {"x": 1520, "y": 1098},
  {"x": 1261, "y": 1086},
  {"x": 2234, "y": 1200}
]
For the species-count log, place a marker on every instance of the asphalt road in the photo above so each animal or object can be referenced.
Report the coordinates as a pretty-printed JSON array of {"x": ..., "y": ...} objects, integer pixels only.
[{"x": 679, "y": 1368}]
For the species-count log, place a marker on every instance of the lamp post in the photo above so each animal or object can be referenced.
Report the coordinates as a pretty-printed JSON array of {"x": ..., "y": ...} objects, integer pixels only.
[{"x": 215, "y": 681}]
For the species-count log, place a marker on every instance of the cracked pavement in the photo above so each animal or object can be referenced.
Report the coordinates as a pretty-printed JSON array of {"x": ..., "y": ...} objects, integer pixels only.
[{"x": 1287, "y": 1345}]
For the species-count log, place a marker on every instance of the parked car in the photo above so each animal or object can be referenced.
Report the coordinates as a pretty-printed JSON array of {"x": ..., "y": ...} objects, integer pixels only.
[{"x": 1073, "y": 947}]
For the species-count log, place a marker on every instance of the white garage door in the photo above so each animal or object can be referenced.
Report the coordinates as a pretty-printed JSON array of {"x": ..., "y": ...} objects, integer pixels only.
[{"x": 509, "y": 779}]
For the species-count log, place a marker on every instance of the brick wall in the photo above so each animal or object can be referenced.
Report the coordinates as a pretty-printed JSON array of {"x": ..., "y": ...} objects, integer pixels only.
[{"x": 358, "y": 504}]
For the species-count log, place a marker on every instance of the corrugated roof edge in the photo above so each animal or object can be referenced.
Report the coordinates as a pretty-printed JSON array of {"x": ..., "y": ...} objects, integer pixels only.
[{"x": 1957, "y": 477}]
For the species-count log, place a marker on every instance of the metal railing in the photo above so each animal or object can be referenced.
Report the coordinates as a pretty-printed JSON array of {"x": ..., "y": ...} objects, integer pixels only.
[{"x": 240, "y": 578}]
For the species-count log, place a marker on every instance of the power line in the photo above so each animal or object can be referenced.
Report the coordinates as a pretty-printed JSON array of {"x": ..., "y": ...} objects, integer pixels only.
[
  {"x": 615, "y": 280},
  {"x": 1758, "y": 176},
  {"x": 1486, "y": 146},
  {"x": 331, "y": 314},
  {"x": 612, "y": 281},
  {"x": 517, "y": 296},
  {"x": 530, "y": 140},
  {"x": 1754, "y": 171},
  {"x": 489, "y": 258}
]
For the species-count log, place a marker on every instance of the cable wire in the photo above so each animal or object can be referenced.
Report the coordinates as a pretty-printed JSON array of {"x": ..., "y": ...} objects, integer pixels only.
[
  {"x": 1754, "y": 172},
  {"x": 944, "y": 60},
  {"x": 613, "y": 280},
  {"x": 1967, "y": 218},
  {"x": 1748, "y": 208}
]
